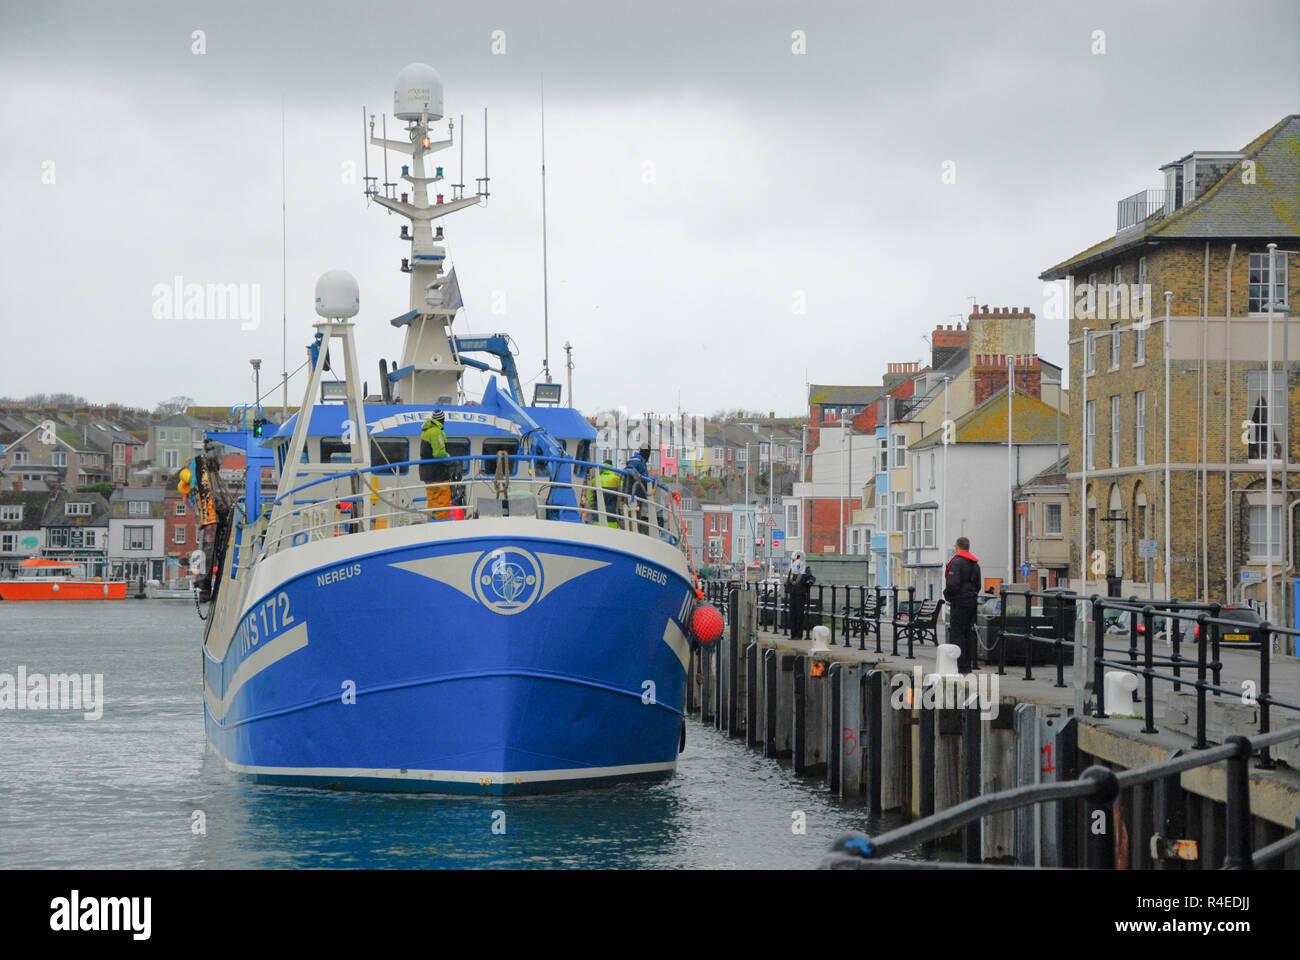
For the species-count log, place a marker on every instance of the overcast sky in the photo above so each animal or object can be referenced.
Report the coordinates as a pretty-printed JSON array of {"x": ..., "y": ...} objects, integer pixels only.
[{"x": 703, "y": 179}]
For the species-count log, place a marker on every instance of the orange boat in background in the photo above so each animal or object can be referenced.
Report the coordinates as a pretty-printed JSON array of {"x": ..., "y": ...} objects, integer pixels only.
[{"x": 39, "y": 579}]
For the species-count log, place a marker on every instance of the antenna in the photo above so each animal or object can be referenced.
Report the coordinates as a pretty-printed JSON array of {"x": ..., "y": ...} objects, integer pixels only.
[
  {"x": 387, "y": 183},
  {"x": 460, "y": 187},
  {"x": 365, "y": 152},
  {"x": 284, "y": 273},
  {"x": 546, "y": 313},
  {"x": 483, "y": 180}
]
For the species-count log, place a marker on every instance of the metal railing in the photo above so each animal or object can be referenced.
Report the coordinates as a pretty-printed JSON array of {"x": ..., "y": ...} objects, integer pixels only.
[
  {"x": 1133, "y": 210},
  {"x": 1098, "y": 786},
  {"x": 1146, "y": 620},
  {"x": 316, "y": 510},
  {"x": 848, "y": 610}
]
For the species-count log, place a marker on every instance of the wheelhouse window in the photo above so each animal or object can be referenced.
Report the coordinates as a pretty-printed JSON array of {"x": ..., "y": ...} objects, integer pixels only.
[
  {"x": 493, "y": 446},
  {"x": 385, "y": 450}
]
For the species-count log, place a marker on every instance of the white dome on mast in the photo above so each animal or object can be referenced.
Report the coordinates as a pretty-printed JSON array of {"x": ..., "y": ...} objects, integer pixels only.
[
  {"x": 337, "y": 295},
  {"x": 418, "y": 86}
]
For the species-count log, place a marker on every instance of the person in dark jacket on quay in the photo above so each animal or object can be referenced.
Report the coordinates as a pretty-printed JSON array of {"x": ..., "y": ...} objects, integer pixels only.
[
  {"x": 798, "y": 583},
  {"x": 962, "y": 582}
]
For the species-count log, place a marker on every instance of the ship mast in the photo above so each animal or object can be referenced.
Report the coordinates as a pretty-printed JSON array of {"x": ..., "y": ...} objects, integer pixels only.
[{"x": 429, "y": 370}]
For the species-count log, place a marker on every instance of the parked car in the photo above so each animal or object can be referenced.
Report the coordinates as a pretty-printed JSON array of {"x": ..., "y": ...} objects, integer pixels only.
[{"x": 1119, "y": 625}]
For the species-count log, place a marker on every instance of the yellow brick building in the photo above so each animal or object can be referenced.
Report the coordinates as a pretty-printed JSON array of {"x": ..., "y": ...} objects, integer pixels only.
[{"x": 1204, "y": 240}]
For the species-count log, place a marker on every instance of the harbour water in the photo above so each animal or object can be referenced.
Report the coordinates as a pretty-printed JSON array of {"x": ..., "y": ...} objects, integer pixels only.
[{"x": 132, "y": 788}]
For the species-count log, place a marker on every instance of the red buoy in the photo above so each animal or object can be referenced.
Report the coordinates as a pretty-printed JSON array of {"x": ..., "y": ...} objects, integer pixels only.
[{"x": 706, "y": 623}]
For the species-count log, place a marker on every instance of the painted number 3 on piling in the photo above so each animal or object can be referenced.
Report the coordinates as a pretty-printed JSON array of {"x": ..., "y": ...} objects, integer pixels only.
[{"x": 852, "y": 738}]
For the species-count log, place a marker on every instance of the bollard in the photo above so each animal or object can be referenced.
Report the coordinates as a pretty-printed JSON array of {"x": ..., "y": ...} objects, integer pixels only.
[
  {"x": 820, "y": 636},
  {"x": 1202, "y": 641},
  {"x": 1120, "y": 687},
  {"x": 945, "y": 660}
]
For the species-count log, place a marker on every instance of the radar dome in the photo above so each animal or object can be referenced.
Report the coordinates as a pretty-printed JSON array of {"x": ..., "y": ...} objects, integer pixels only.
[
  {"x": 337, "y": 295},
  {"x": 418, "y": 86}
]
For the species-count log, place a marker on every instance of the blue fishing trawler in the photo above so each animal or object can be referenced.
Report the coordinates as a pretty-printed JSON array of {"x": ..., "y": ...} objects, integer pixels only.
[{"x": 533, "y": 635}]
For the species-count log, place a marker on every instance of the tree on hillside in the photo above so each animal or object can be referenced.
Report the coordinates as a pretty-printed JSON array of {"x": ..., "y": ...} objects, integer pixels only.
[{"x": 177, "y": 404}]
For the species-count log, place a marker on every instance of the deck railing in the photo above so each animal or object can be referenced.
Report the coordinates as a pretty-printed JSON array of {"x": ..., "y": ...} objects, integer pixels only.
[{"x": 315, "y": 511}]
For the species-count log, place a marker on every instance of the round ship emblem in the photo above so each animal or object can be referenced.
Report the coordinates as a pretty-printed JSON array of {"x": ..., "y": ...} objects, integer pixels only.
[{"x": 508, "y": 580}]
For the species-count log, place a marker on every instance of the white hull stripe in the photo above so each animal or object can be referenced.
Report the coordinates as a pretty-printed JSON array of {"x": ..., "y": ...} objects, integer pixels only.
[
  {"x": 678, "y": 643},
  {"x": 453, "y": 776},
  {"x": 279, "y": 648}
]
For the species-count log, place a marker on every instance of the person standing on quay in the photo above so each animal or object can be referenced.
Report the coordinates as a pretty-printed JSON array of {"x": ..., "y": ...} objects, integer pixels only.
[
  {"x": 797, "y": 582},
  {"x": 962, "y": 580}
]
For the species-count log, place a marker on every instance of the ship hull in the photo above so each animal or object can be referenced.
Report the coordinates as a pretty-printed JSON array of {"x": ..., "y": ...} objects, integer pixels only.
[{"x": 482, "y": 656}]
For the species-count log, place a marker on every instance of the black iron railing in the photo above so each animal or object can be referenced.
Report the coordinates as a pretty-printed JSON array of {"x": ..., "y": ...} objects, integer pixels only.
[{"x": 1097, "y": 786}]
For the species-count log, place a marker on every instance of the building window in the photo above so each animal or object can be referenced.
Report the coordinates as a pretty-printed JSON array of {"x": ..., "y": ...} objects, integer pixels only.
[
  {"x": 1140, "y": 308},
  {"x": 1092, "y": 295},
  {"x": 884, "y": 453},
  {"x": 77, "y": 509},
  {"x": 1089, "y": 353},
  {"x": 20, "y": 457},
  {"x": 740, "y": 547},
  {"x": 180, "y": 508},
  {"x": 59, "y": 458},
  {"x": 1258, "y": 286},
  {"x": 178, "y": 535},
  {"x": 792, "y": 520},
  {"x": 8, "y": 543},
  {"x": 1189, "y": 181},
  {"x": 931, "y": 470},
  {"x": 927, "y": 529},
  {"x": 900, "y": 500},
  {"x": 1114, "y": 431},
  {"x": 1114, "y": 346},
  {"x": 171, "y": 459},
  {"x": 1052, "y": 519},
  {"x": 1140, "y": 428},
  {"x": 1139, "y": 345},
  {"x": 137, "y": 538},
  {"x": 724, "y": 523},
  {"x": 1116, "y": 281},
  {"x": 137, "y": 508},
  {"x": 900, "y": 450},
  {"x": 1260, "y": 537},
  {"x": 1264, "y": 416},
  {"x": 1090, "y": 435},
  {"x": 913, "y": 533},
  {"x": 11, "y": 513}
]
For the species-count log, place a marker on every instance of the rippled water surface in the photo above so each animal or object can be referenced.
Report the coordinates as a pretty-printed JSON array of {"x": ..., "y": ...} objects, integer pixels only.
[{"x": 122, "y": 791}]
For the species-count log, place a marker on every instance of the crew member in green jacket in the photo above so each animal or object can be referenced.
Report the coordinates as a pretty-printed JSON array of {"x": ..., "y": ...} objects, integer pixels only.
[{"x": 435, "y": 476}]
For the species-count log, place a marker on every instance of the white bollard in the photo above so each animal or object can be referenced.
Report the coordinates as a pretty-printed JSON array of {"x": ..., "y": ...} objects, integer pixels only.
[
  {"x": 1119, "y": 687},
  {"x": 821, "y": 636},
  {"x": 945, "y": 660}
]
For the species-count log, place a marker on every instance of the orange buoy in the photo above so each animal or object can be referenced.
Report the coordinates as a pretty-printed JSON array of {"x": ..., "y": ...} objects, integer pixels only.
[{"x": 706, "y": 623}]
